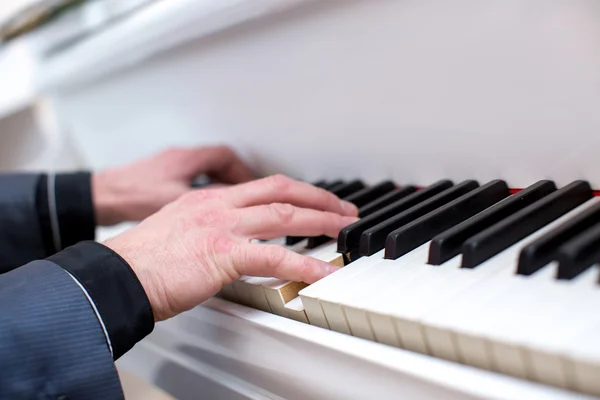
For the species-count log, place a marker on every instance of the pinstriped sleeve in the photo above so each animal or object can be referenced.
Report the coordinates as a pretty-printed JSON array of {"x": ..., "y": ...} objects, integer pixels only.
[{"x": 51, "y": 341}]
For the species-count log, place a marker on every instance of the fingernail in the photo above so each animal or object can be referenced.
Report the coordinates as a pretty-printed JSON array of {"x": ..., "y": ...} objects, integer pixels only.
[
  {"x": 330, "y": 269},
  {"x": 349, "y": 208}
]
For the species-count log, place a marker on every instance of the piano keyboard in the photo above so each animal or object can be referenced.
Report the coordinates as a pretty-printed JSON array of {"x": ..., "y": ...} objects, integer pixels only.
[{"x": 476, "y": 274}]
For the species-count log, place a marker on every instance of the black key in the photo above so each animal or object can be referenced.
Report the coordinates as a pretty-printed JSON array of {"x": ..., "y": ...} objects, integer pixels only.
[
  {"x": 345, "y": 192},
  {"x": 507, "y": 232},
  {"x": 291, "y": 240},
  {"x": 320, "y": 184},
  {"x": 579, "y": 253},
  {"x": 347, "y": 189},
  {"x": 545, "y": 249},
  {"x": 373, "y": 239},
  {"x": 419, "y": 231},
  {"x": 349, "y": 237},
  {"x": 448, "y": 244},
  {"x": 201, "y": 181},
  {"x": 369, "y": 194},
  {"x": 385, "y": 200},
  {"x": 333, "y": 185}
]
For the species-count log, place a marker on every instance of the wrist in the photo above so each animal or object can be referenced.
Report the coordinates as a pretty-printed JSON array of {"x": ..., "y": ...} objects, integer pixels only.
[
  {"x": 107, "y": 201},
  {"x": 136, "y": 261}
]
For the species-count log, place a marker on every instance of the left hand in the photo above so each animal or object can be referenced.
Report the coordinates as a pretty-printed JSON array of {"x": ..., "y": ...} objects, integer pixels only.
[{"x": 135, "y": 191}]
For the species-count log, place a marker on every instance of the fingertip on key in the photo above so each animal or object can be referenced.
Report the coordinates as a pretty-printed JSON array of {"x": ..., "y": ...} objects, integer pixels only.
[{"x": 324, "y": 270}]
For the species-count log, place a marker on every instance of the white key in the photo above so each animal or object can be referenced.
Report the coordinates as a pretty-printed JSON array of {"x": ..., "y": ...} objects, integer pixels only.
[
  {"x": 295, "y": 310},
  {"x": 245, "y": 287},
  {"x": 332, "y": 283},
  {"x": 583, "y": 360},
  {"x": 550, "y": 309},
  {"x": 228, "y": 293},
  {"x": 571, "y": 310},
  {"x": 257, "y": 294},
  {"x": 278, "y": 292},
  {"x": 242, "y": 291}
]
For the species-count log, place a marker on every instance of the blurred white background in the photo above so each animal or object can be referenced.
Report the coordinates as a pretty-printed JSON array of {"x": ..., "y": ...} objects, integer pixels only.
[{"x": 410, "y": 90}]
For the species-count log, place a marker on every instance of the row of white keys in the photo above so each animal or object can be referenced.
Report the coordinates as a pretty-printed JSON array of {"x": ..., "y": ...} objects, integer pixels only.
[
  {"x": 562, "y": 309},
  {"x": 485, "y": 311},
  {"x": 481, "y": 282},
  {"x": 527, "y": 315},
  {"x": 358, "y": 289},
  {"x": 392, "y": 276},
  {"x": 556, "y": 311},
  {"x": 492, "y": 278},
  {"x": 497, "y": 322},
  {"x": 393, "y": 316}
]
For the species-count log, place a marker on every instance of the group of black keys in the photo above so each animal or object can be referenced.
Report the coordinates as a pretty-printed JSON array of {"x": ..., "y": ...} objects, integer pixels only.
[{"x": 477, "y": 221}]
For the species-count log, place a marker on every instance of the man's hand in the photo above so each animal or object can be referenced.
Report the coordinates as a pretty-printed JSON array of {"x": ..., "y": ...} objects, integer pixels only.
[
  {"x": 187, "y": 251},
  {"x": 135, "y": 191}
]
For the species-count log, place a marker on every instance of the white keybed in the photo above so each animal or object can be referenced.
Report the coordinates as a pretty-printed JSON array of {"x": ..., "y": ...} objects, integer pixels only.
[
  {"x": 414, "y": 91},
  {"x": 246, "y": 353}
]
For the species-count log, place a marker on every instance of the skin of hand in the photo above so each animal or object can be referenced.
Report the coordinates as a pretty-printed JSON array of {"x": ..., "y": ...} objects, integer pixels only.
[
  {"x": 187, "y": 251},
  {"x": 133, "y": 192}
]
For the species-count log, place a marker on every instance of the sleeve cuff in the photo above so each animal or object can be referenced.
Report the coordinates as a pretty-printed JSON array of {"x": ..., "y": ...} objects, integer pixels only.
[
  {"x": 65, "y": 210},
  {"x": 116, "y": 293}
]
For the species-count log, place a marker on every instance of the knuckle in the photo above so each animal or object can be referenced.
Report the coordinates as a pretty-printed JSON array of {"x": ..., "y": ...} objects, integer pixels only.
[
  {"x": 200, "y": 197},
  {"x": 283, "y": 212},
  {"x": 279, "y": 182},
  {"x": 275, "y": 257},
  {"x": 220, "y": 244}
]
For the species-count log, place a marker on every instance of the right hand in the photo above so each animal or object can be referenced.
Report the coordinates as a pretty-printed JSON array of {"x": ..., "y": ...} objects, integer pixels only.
[{"x": 187, "y": 251}]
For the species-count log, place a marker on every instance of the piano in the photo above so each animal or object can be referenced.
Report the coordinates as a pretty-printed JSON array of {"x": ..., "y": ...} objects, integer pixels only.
[{"x": 466, "y": 131}]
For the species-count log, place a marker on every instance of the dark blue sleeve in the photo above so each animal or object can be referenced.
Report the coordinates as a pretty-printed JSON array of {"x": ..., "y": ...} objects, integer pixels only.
[
  {"x": 41, "y": 214},
  {"x": 52, "y": 343}
]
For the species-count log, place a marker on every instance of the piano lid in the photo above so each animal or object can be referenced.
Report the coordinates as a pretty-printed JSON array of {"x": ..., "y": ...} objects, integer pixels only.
[{"x": 413, "y": 91}]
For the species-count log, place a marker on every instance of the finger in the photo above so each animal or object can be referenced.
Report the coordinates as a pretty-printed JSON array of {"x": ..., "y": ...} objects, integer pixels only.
[
  {"x": 276, "y": 220},
  {"x": 276, "y": 261},
  {"x": 281, "y": 189},
  {"x": 220, "y": 163},
  {"x": 224, "y": 165}
]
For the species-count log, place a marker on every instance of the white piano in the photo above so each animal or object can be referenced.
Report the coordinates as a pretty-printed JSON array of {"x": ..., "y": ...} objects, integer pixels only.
[{"x": 413, "y": 92}]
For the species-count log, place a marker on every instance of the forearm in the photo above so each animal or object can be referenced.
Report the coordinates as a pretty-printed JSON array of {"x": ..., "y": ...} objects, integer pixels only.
[
  {"x": 63, "y": 322},
  {"x": 41, "y": 214}
]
